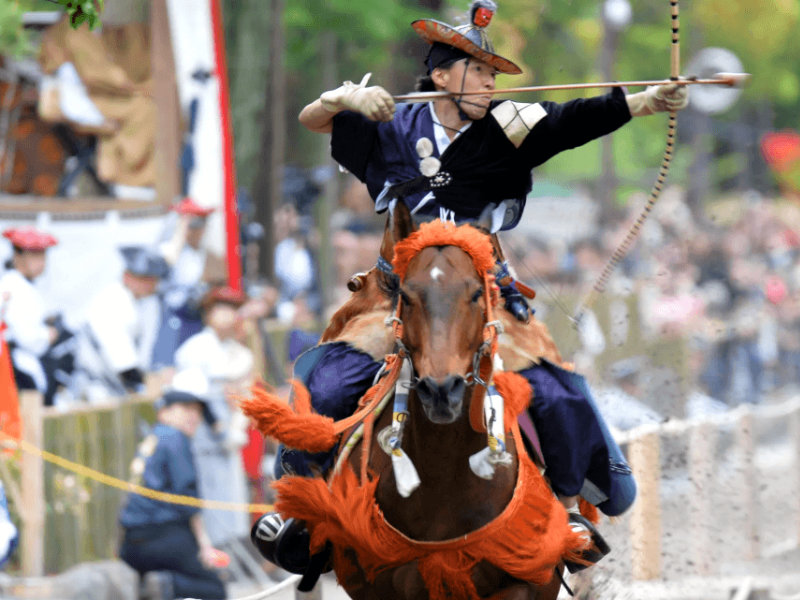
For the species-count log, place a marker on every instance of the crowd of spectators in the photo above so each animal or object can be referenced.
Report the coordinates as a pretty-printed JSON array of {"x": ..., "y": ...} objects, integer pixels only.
[
  {"x": 722, "y": 281},
  {"x": 169, "y": 318}
]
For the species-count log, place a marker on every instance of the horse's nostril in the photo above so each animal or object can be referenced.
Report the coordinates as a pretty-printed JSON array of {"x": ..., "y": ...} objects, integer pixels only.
[
  {"x": 426, "y": 390},
  {"x": 454, "y": 387},
  {"x": 450, "y": 392}
]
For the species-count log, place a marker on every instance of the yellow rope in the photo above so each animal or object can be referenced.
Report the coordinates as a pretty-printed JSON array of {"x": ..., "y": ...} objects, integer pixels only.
[{"x": 133, "y": 488}]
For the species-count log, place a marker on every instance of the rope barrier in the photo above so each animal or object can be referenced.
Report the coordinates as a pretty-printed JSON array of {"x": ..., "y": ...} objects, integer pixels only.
[{"x": 128, "y": 486}]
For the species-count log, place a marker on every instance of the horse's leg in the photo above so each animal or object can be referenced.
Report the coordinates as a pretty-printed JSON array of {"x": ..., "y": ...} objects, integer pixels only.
[
  {"x": 401, "y": 583},
  {"x": 527, "y": 591}
]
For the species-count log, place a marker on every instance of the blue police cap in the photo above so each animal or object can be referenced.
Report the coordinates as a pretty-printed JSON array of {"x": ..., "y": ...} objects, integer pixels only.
[
  {"x": 179, "y": 397},
  {"x": 144, "y": 262}
]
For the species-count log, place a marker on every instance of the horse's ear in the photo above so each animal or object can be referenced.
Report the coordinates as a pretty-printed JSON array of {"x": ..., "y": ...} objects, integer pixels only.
[
  {"x": 399, "y": 226},
  {"x": 403, "y": 223}
]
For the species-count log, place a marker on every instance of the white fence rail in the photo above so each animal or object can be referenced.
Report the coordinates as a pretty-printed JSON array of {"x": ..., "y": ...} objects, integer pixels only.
[{"x": 712, "y": 492}]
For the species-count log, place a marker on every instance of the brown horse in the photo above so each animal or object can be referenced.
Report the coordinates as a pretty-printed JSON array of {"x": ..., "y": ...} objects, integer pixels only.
[{"x": 455, "y": 535}]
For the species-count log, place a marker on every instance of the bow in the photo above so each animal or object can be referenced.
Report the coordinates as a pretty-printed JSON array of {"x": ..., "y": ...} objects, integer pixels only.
[{"x": 655, "y": 192}]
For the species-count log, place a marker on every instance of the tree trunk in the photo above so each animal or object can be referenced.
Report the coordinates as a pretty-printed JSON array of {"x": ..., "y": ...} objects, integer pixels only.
[{"x": 267, "y": 186}]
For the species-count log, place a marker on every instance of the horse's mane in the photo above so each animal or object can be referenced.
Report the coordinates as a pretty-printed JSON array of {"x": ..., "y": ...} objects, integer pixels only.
[{"x": 441, "y": 233}]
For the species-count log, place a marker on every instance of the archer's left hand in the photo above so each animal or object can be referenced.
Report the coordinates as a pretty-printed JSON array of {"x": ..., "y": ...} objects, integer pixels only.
[{"x": 668, "y": 97}]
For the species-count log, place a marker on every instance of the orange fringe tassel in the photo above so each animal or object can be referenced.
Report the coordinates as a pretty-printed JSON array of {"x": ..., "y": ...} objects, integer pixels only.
[
  {"x": 299, "y": 428},
  {"x": 439, "y": 233},
  {"x": 516, "y": 393},
  {"x": 527, "y": 540},
  {"x": 303, "y": 429}
]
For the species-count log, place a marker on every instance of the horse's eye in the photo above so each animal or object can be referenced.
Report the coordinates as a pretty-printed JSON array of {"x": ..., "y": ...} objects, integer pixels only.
[{"x": 477, "y": 295}]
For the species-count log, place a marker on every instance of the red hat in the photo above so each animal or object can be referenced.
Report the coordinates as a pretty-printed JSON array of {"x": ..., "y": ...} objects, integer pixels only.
[
  {"x": 224, "y": 294},
  {"x": 187, "y": 206},
  {"x": 29, "y": 238}
]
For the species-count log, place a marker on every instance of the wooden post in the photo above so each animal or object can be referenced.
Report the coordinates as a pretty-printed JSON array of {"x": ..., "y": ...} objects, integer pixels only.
[
  {"x": 794, "y": 434},
  {"x": 702, "y": 445},
  {"x": 327, "y": 200},
  {"x": 645, "y": 460},
  {"x": 165, "y": 95},
  {"x": 33, "y": 502},
  {"x": 747, "y": 485}
]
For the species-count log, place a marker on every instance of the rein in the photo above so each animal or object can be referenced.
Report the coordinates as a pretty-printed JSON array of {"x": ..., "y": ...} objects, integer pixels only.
[{"x": 486, "y": 405}]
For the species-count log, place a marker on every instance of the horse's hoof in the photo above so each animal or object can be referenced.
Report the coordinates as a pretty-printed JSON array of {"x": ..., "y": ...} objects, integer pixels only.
[
  {"x": 593, "y": 553},
  {"x": 283, "y": 543}
]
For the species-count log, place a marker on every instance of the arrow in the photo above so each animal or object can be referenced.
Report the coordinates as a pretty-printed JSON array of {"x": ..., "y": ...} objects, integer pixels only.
[{"x": 726, "y": 79}]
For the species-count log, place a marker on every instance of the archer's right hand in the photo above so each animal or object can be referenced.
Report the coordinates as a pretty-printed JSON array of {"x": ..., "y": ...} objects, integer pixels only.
[{"x": 373, "y": 102}]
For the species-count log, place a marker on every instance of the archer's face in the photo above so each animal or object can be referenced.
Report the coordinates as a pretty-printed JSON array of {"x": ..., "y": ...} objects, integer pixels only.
[{"x": 468, "y": 76}]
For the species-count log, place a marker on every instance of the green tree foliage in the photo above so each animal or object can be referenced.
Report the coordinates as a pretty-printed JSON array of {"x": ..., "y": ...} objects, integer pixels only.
[
  {"x": 82, "y": 11},
  {"x": 15, "y": 41},
  {"x": 13, "y": 38}
]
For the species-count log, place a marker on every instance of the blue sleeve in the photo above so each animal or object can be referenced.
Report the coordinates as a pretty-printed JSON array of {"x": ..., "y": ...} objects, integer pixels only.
[
  {"x": 353, "y": 142},
  {"x": 180, "y": 470},
  {"x": 573, "y": 124}
]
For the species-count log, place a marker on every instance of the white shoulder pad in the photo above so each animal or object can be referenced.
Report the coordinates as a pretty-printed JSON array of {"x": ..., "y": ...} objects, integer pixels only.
[{"x": 517, "y": 119}]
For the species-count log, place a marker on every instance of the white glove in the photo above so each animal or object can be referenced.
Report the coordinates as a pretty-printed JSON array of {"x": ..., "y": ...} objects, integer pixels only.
[
  {"x": 374, "y": 102},
  {"x": 658, "y": 98}
]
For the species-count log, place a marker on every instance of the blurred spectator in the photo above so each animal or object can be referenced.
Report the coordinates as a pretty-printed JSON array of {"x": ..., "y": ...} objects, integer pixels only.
[
  {"x": 228, "y": 365},
  {"x": 167, "y": 543},
  {"x": 116, "y": 340},
  {"x": 30, "y": 338},
  {"x": 193, "y": 268},
  {"x": 294, "y": 264},
  {"x": 620, "y": 402},
  {"x": 101, "y": 83}
]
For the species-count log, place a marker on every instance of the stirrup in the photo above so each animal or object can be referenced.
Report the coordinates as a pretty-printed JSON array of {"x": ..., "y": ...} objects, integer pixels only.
[{"x": 595, "y": 552}]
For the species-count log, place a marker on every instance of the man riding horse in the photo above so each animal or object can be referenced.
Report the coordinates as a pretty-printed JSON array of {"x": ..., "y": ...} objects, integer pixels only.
[{"x": 465, "y": 158}]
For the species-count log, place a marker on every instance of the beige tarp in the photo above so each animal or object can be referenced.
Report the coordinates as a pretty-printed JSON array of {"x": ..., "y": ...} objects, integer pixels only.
[{"x": 114, "y": 65}]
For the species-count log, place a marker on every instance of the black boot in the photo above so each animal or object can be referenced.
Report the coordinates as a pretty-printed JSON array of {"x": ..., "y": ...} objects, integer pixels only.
[
  {"x": 286, "y": 544},
  {"x": 596, "y": 551},
  {"x": 283, "y": 543}
]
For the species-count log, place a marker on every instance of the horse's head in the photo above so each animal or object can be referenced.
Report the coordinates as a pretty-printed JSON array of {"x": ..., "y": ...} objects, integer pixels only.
[{"x": 442, "y": 301}]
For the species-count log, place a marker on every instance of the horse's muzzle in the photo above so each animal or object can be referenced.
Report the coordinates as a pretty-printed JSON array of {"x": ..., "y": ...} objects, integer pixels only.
[{"x": 442, "y": 401}]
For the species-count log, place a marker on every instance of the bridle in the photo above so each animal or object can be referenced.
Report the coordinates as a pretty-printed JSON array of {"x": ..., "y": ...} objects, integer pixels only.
[{"x": 482, "y": 359}]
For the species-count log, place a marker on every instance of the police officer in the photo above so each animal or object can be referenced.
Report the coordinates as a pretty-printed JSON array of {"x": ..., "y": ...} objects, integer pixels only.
[
  {"x": 167, "y": 543},
  {"x": 22, "y": 307},
  {"x": 119, "y": 332}
]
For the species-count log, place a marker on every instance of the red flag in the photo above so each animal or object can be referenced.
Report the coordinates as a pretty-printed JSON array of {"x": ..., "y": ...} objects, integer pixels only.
[{"x": 9, "y": 401}]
